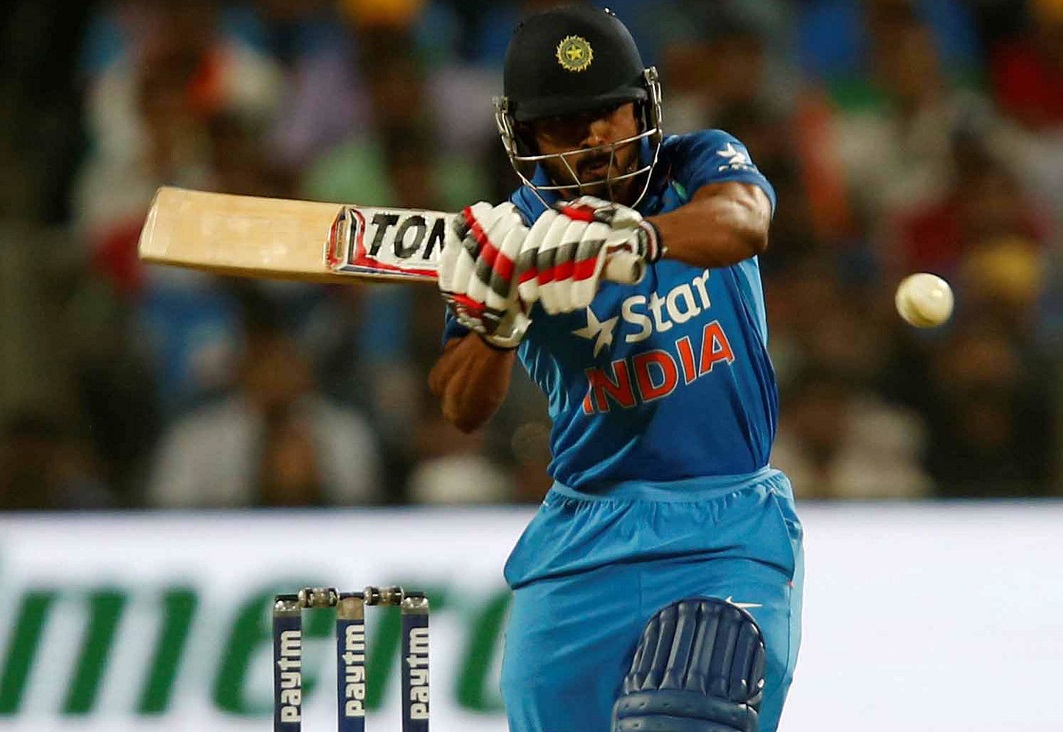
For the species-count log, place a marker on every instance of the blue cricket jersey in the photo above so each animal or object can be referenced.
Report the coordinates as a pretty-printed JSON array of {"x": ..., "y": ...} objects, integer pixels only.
[{"x": 670, "y": 378}]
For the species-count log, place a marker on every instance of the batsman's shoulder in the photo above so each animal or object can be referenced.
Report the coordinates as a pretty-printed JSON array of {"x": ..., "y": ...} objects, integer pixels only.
[
  {"x": 712, "y": 156},
  {"x": 710, "y": 145}
]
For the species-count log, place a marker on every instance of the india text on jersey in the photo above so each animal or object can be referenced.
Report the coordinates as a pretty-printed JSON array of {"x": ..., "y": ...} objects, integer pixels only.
[{"x": 653, "y": 374}]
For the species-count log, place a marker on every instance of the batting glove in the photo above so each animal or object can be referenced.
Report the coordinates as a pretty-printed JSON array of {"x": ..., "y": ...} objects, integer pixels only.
[
  {"x": 564, "y": 254},
  {"x": 477, "y": 272}
]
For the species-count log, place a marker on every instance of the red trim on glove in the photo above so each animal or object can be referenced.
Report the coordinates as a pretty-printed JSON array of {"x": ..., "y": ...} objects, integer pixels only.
[
  {"x": 546, "y": 276},
  {"x": 503, "y": 266},
  {"x": 470, "y": 306},
  {"x": 575, "y": 271},
  {"x": 491, "y": 256},
  {"x": 584, "y": 269},
  {"x": 579, "y": 212},
  {"x": 478, "y": 233},
  {"x": 499, "y": 263},
  {"x": 563, "y": 271}
]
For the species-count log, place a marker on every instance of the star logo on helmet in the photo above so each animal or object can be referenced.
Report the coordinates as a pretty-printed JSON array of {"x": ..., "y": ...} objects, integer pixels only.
[{"x": 574, "y": 53}]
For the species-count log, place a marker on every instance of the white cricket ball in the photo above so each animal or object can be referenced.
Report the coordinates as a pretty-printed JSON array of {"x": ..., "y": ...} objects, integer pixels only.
[{"x": 924, "y": 300}]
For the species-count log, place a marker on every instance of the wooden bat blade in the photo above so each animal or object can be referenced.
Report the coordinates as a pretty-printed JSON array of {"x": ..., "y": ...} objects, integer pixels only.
[
  {"x": 277, "y": 238},
  {"x": 288, "y": 239}
]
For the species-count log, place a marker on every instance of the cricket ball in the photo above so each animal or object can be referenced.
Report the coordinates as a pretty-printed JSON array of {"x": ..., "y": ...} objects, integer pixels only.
[{"x": 924, "y": 300}]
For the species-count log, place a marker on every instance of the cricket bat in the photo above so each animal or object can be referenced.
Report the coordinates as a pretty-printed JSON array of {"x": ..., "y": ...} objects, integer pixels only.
[{"x": 275, "y": 238}]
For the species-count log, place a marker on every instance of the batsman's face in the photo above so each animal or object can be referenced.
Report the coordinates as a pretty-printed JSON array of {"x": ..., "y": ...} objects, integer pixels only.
[{"x": 579, "y": 135}]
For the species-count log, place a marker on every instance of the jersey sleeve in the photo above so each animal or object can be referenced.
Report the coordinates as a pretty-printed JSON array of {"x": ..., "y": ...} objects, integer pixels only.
[{"x": 714, "y": 156}]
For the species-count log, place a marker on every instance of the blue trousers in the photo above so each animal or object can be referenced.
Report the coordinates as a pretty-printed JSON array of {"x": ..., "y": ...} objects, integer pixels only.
[{"x": 590, "y": 570}]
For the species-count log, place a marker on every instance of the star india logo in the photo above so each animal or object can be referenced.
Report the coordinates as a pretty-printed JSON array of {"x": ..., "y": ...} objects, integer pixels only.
[
  {"x": 574, "y": 53},
  {"x": 600, "y": 331}
]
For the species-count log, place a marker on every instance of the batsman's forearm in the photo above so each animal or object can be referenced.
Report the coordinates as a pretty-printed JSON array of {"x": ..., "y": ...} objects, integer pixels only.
[
  {"x": 471, "y": 379},
  {"x": 718, "y": 228}
]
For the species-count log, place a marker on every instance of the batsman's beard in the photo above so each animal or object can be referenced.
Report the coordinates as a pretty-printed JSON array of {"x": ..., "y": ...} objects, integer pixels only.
[
  {"x": 594, "y": 171},
  {"x": 601, "y": 173}
]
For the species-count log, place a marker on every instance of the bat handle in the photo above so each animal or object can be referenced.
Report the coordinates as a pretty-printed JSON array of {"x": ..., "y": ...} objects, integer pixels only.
[{"x": 625, "y": 268}]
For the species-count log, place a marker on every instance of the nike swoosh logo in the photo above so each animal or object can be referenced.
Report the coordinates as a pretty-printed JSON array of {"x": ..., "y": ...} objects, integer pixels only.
[{"x": 744, "y": 605}]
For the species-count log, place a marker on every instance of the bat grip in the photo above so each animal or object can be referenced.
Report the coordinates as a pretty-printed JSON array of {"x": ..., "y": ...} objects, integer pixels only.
[{"x": 625, "y": 268}]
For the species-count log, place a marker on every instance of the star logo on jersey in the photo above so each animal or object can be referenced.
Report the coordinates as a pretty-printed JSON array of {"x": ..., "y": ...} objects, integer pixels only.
[
  {"x": 736, "y": 159},
  {"x": 742, "y": 605},
  {"x": 574, "y": 53},
  {"x": 600, "y": 331}
]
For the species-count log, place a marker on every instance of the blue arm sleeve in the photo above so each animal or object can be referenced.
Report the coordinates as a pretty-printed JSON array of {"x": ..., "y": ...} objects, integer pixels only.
[{"x": 714, "y": 156}]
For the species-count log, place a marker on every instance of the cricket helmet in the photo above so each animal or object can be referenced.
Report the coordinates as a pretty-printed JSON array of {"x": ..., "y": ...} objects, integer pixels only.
[{"x": 569, "y": 60}]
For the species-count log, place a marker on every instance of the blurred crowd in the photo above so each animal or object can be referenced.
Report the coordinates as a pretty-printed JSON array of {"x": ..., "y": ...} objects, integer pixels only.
[{"x": 900, "y": 135}]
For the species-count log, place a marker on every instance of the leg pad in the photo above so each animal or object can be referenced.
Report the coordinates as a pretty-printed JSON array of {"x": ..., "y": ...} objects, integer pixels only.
[{"x": 699, "y": 667}]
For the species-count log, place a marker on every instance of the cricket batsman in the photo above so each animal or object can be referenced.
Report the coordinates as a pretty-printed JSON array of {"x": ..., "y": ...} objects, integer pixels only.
[{"x": 658, "y": 587}]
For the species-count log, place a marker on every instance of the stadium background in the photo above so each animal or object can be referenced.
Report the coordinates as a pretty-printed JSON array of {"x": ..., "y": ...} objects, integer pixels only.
[{"x": 900, "y": 136}]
